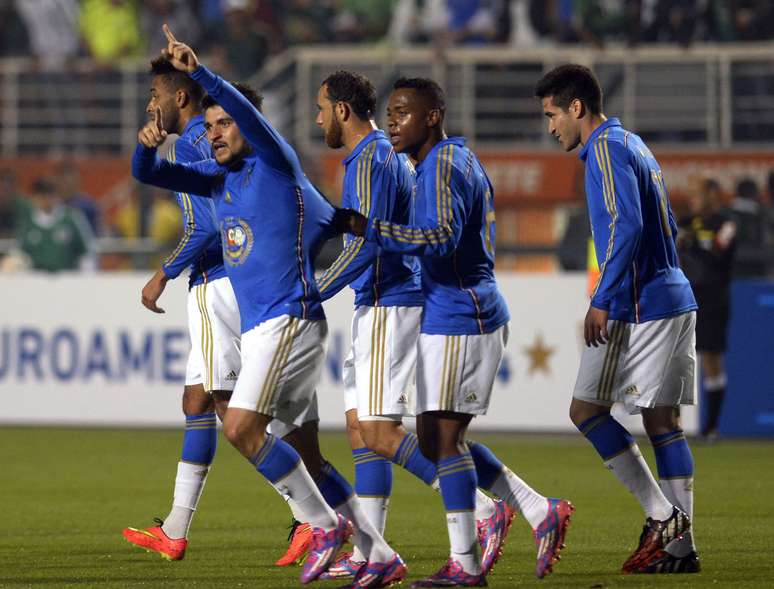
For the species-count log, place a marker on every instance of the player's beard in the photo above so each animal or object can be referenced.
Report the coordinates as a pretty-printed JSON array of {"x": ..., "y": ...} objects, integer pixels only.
[{"x": 333, "y": 134}]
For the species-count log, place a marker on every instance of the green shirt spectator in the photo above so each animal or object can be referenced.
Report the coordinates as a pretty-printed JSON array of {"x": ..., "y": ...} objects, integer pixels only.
[
  {"x": 52, "y": 235},
  {"x": 111, "y": 29}
]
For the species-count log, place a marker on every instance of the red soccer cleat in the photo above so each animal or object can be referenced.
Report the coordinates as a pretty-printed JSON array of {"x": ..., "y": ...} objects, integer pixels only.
[
  {"x": 154, "y": 539},
  {"x": 300, "y": 538}
]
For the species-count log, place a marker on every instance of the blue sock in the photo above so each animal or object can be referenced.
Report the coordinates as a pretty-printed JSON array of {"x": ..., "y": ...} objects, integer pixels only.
[
  {"x": 409, "y": 457},
  {"x": 373, "y": 474},
  {"x": 457, "y": 476},
  {"x": 334, "y": 487},
  {"x": 200, "y": 439},
  {"x": 673, "y": 455},
  {"x": 488, "y": 466},
  {"x": 608, "y": 437},
  {"x": 276, "y": 458}
]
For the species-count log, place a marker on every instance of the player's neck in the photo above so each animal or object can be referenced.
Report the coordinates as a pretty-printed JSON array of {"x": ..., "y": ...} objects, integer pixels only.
[
  {"x": 588, "y": 127},
  {"x": 356, "y": 132},
  {"x": 434, "y": 139},
  {"x": 186, "y": 115}
]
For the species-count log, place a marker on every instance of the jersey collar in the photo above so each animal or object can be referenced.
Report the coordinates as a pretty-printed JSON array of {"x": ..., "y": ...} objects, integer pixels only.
[
  {"x": 459, "y": 141},
  {"x": 372, "y": 136},
  {"x": 611, "y": 122},
  {"x": 197, "y": 120}
]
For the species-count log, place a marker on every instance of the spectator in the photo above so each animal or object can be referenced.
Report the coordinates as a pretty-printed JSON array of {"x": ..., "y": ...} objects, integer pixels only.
[
  {"x": 362, "y": 21},
  {"x": 14, "y": 38},
  {"x": 111, "y": 29},
  {"x": 52, "y": 27},
  {"x": 674, "y": 21},
  {"x": 747, "y": 214},
  {"x": 10, "y": 203},
  {"x": 68, "y": 179},
  {"x": 307, "y": 21},
  {"x": 176, "y": 13},
  {"x": 52, "y": 235},
  {"x": 244, "y": 43}
]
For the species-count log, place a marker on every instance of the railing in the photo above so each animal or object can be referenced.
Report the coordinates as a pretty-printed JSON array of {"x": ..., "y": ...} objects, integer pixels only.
[{"x": 713, "y": 96}]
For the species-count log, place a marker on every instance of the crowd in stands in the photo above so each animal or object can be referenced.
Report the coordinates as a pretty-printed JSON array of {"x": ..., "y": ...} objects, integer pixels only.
[{"x": 241, "y": 34}]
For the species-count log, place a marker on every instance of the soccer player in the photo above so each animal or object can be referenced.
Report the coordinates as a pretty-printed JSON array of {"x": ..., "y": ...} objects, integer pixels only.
[
  {"x": 272, "y": 223},
  {"x": 463, "y": 332},
  {"x": 640, "y": 326},
  {"x": 213, "y": 316},
  {"x": 380, "y": 368}
]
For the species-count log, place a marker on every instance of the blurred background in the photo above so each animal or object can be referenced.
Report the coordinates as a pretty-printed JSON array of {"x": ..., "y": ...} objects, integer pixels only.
[{"x": 695, "y": 78}]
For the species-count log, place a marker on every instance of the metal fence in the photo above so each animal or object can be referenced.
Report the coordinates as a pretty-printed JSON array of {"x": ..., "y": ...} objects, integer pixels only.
[{"x": 707, "y": 96}]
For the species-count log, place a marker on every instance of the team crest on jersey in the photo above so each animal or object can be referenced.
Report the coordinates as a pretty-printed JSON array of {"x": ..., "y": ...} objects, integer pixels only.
[{"x": 237, "y": 240}]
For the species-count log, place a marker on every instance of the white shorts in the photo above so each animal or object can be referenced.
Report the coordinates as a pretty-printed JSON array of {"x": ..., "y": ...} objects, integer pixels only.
[
  {"x": 281, "y": 363},
  {"x": 380, "y": 368},
  {"x": 213, "y": 325},
  {"x": 457, "y": 372},
  {"x": 643, "y": 365}
]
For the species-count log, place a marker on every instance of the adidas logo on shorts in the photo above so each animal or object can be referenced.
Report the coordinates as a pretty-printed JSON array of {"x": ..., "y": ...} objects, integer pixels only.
[
  {"x": 232, "y": 375},
  {"x": 402, "y": 400},
  {"x": 471, "y": 398}
]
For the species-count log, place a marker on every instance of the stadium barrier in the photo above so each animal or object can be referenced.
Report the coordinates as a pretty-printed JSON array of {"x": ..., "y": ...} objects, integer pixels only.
[{"x": 82, "y": 350}]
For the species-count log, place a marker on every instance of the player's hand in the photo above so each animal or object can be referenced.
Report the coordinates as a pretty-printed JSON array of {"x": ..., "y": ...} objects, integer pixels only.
[
  {"x": 153, "y": 134},
  {"x": 180, "y": 55},
  {"x": 350, "y": 221},
  {"x": 152, "y": 291},
  {"x": 595, "y": 327}
]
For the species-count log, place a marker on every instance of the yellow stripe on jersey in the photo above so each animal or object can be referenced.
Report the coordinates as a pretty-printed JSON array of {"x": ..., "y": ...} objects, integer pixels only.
[
  {"x": 363, "y": 189},
  {"x": 188, "y": 217},
  {"x": 608, "y": 189}
]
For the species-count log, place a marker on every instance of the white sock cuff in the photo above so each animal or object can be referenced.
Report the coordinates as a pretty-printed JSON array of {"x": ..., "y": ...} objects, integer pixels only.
[{"x": 714, "y": 383}]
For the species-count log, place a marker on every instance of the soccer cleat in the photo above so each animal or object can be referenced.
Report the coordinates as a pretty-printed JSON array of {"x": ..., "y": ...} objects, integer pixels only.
[
  {"x": 380, "y": 574},
  {"x": 550, "y": 534},
  {"x": 492, "y": 533},
  {"x": 655, "y": 537},
  {"x": 343, "y": 568},
  {"x": 664, "y": 563},
  {"x": 323, "y": 549},
  {"x": 154, "y": 539},
  {"x": 452, "y": 575},
  {"x": 300, "y": 537}
]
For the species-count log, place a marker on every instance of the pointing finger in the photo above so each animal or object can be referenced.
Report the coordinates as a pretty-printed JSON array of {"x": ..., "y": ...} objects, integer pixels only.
[{"x": 168, "y": 33}]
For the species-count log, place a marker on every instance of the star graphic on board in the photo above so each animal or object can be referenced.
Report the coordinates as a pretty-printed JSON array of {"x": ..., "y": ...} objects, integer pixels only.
[{"x": 539, "y": 354}]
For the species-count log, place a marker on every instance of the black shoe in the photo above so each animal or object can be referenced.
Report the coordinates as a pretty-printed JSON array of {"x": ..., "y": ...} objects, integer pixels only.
[{"x": 664, "y": 563}]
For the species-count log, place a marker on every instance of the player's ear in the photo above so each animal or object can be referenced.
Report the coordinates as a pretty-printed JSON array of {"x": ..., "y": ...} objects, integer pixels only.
[
  {"x": 181, "y": 98},
  {"x": 343, "y": 110},
  {"x": 577, "y": 108},
  {"x": 433, "y": 117}
]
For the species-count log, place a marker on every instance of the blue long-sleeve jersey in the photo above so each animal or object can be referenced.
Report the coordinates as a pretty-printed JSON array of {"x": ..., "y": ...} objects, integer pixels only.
[
  {"x": 380, "y": 184},
  {"x": 454, "y": 235},
  {"x": 272, "y": 220},
  {"x": 633, "y": 228},
  {"x": 199, "y": 248}
]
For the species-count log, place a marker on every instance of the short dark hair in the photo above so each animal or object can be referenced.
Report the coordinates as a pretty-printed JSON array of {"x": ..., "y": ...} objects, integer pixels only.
[
  {"x": 569, "y": 82},
  {"x": 175, "y": 79},
  {"x": 354, "y": 89},
  {"x": 253, "y": 97},
  {"x": 43, "y": 186},
  {"x": 430, "y": 91}
]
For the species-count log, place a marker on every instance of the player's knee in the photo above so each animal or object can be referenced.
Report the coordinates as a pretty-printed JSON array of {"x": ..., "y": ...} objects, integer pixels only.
[{"x": 580, "y": 411}]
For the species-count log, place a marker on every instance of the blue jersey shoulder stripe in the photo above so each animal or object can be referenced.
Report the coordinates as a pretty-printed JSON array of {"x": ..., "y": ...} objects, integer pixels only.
[{"x": 602, "y": 155}]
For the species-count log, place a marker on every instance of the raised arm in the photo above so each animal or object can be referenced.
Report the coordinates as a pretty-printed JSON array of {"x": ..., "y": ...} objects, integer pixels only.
[{"x": 270, "y": 146}]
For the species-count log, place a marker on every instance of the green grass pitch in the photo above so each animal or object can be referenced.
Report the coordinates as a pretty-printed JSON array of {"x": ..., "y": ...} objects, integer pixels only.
[{"x": 67, "y": 493}]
